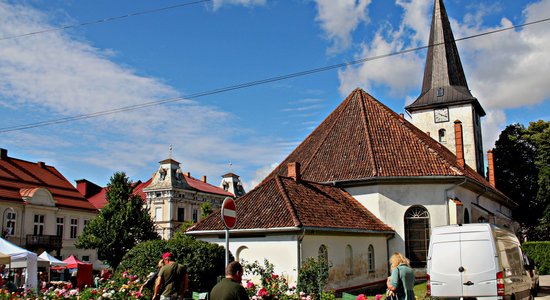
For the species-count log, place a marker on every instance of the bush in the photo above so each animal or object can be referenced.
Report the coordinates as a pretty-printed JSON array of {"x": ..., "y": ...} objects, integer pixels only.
[
  {"x": 313, "y": 276},
  {"x": 540, "y": 253},
  {"x": 204, "y": 261}
]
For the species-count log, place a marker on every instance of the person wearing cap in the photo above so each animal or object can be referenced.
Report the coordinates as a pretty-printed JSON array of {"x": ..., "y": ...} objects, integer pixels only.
[
  {"x": 230, "y": 287},
  {"x": 172, "y": 280}
]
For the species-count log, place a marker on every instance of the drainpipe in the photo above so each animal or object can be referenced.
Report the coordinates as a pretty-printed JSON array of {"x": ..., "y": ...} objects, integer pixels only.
[{"x": 299, "y": 246}]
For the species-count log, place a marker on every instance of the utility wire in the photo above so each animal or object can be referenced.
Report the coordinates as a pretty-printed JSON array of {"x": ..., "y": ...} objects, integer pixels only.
[
  {"x": 105, "y": 20},
  {"x": 248, "y": 84}
]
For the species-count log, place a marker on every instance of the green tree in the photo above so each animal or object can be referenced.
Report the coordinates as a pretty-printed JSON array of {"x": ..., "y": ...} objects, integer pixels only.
[
  {"x": 522, "y": 171},
  {"x": 121, "y": 224},
  {"x": 204, "y": 261},
  {"x": 206, "y": 209}
]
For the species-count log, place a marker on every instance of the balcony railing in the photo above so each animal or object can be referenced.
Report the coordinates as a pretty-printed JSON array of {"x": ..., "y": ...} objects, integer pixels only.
[{"x": 50, "y": 242}]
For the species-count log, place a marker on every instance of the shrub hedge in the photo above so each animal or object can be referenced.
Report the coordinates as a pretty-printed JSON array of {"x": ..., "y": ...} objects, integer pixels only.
[{"x": 540, "y": 253}]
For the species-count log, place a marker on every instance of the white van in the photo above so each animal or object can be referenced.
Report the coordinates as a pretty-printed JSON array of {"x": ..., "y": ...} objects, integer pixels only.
[{"x": 476, "y": 261}]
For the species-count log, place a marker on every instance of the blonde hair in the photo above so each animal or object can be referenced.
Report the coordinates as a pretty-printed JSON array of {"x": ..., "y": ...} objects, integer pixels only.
[{"x": 397, "y": 258}]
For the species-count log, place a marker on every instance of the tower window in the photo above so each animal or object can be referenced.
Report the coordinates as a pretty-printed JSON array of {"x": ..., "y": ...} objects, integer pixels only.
[
  {"x": 442, "y": 137},
  {"x": 440, "y": 92}
]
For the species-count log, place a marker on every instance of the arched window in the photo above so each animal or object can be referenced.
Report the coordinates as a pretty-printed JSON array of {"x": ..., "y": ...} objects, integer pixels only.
[
  {"x": 417, "y": 235},
  {"x": 371, "y": 258},
  {"x": 349, "y": 260},
  {"x": 442, "y": 137},
  {"x": 466, "y": 216},
  {"x": 241, "y": 253}
]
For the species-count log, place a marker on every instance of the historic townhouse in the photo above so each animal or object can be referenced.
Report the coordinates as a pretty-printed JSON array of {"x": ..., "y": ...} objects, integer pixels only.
[{"x": 41, "y": 210}]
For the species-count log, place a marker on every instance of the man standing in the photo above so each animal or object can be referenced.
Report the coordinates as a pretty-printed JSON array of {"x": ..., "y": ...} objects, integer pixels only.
[
  {"x": 230, "y": 287},
  {"x": 172, "y": 280}
]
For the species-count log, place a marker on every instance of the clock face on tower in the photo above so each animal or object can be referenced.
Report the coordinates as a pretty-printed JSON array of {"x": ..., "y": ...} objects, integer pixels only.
[{"x": 441, "y": 115}]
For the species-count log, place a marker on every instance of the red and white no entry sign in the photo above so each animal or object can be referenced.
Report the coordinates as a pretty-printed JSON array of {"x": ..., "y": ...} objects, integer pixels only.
[{"x": 229, "y": 212}]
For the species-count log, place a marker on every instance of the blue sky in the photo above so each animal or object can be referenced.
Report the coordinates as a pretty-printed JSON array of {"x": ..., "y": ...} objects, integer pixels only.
[{"x": 220, "y": 43}]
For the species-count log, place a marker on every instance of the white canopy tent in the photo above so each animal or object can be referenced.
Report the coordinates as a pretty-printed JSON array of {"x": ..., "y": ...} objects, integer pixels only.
[
  {"x": 22, "y": 258},
  {"x": 52, "y": 260}
]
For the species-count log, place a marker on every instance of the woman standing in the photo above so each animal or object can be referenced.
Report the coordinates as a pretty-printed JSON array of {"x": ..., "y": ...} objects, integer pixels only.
[{"x": 401, "y": 280}]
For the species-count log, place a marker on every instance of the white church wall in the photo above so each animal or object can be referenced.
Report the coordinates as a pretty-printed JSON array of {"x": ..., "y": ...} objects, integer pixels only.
[
  {"x": 343, "y": 272},
  {"x": 280, "y": 250},
  {"x": 390, "y": 202}
]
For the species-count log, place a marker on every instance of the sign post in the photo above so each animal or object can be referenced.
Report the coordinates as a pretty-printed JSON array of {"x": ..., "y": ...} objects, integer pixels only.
[{"x": 229, "y": 218}]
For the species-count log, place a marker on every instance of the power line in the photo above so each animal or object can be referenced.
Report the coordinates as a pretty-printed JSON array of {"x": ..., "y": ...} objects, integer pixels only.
[
  {"x": 105, "y": 20},
  {"x": 248, "y": 84}
]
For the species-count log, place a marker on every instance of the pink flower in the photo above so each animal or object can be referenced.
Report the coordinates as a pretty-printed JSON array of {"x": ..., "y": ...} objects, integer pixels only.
[
  {"x": 378, "y": 297},
  {"x": 249, "y": 284},
  {"x": 361, "y": 297},
  {"x": 274, "y": 276},
  {"x": 262, "y": 292}
]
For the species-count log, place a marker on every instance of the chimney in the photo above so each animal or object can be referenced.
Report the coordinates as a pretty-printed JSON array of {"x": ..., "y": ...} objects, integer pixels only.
[
  {"x": 3, "y": 153},
  {"x": 204, "y": 178},
  {"x": 41, "y": 164},
  {"x": 188, "y": 174},
  {"x": 491, "y": 167},
  {"x": 294, "y": 171},
  {"x": 459, "y": 144}
]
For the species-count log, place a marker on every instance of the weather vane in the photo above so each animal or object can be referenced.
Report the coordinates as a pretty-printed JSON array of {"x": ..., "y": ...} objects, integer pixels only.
[{"x": 170, "y": 151}]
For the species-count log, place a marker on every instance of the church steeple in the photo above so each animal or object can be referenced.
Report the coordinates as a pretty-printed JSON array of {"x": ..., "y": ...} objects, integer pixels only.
[
  {"x": 446, "y": 98},
  {"x": 444, "y": 81}
]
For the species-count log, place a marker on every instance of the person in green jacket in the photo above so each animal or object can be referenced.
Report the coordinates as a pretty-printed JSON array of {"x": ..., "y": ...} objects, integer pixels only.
[
  {"x": 230, "y": 287},
  {"x": 401, "y": 280}
]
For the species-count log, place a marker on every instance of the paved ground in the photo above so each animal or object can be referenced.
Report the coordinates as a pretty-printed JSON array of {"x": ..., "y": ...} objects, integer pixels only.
[{"x": 544, "y": 292}]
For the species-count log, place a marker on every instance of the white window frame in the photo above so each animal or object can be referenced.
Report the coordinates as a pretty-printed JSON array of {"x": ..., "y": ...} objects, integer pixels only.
[
  {"x": 38, "y": 228},
  {"x": 59, "y": 226},
  {"x": 74, "y": 228}
]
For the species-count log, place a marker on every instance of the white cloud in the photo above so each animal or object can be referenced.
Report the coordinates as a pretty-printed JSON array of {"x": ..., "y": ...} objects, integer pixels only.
[
  {"x": 492, "y": 125},
  {"x": 509, "y": 69},
  {"x": 399, "y": 74},
  {"x": 219, "y": 3},
  {"x": 51, "y": 76},
  {"x": 339, "y": 19},
  {"x": 504, "y": 70},
  {"x": 259, "y": 175}
]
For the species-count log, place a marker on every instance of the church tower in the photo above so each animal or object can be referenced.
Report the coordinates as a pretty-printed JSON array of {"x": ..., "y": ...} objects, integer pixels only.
[{"x": 445, "y": 96}]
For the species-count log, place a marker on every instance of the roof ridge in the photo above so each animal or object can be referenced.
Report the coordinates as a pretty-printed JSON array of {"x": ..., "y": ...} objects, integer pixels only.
[
  {"x": 288, "y": 203},
  {"x": 367, "y": 131},
  {"x": 329, "y": 130}
]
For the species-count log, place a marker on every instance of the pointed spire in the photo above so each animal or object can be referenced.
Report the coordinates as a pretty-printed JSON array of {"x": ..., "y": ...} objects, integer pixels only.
[{"x": 444, "y": 80}]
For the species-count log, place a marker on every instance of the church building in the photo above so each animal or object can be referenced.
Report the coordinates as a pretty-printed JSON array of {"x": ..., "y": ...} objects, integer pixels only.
[{"x": 367, "y": 182}]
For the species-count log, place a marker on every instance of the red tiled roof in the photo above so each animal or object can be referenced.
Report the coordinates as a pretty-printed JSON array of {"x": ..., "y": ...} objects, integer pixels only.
[
  {"x": 362, "y": 138},
  {"x": 205, "y": 187},
  {"x": 17, "y": 174},
  {"x": 99, "y": 200},
  {"x": 281, "y": 202}
]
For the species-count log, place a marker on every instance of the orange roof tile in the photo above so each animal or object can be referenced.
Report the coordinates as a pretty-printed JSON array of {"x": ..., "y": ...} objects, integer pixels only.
[
  {"x": 17, "y": 174},
  {"x": 281, "y": 202},
  {"x": 362, "y": 138}
]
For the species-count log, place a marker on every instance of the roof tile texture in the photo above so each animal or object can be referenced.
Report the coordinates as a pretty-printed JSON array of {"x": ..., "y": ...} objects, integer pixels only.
[
  {"x": 16, "y": 174},
  {"x": 283, "y": 202}
]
